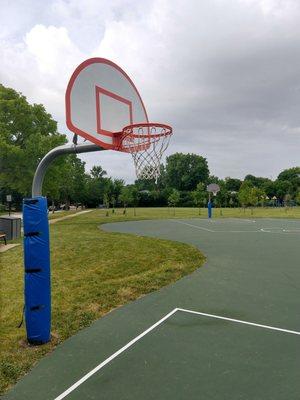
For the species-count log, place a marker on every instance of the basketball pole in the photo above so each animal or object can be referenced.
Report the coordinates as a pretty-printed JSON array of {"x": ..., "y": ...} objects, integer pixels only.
[
  {"x": 209, "y": 206},
  {"x": 37, "y": 287},
  {"x": 41, "y": 170}
]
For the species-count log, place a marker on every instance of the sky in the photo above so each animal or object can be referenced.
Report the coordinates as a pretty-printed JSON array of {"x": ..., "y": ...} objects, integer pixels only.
[{"x": 225, "y": 74}]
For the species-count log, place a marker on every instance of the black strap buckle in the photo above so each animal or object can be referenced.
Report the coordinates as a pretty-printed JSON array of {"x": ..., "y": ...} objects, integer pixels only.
[{"x": 29, "y": 234}]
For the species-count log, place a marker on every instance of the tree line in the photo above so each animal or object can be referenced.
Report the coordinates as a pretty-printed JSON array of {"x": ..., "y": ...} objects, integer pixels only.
[{"x": 28, "y": 132}]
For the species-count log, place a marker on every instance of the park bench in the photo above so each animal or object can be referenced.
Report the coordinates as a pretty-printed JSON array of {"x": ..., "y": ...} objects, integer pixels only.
[{"x": 3, "y": 236}]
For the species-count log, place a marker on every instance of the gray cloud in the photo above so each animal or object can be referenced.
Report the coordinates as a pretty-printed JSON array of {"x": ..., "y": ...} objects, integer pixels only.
[{"x": 224, "y": 74}]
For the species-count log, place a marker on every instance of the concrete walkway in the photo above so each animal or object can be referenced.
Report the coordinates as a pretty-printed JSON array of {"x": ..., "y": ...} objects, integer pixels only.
[
  {"x": 6, "y": 247},
  {"x": 20, "y": 215},
  {"x": 53, "y": 221}
]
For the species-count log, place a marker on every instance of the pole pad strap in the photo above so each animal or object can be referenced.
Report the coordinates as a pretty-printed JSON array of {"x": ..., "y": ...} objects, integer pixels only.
[
  {"x": 32, "y": 270},
  {"x": 29, "y": 234}
]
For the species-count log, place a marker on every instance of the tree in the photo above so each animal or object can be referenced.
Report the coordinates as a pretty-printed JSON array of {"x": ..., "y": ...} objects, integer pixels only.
[
  {"x": 108, "y": 192},
  {"x": 259, "y": 197},
  {"x": 290, "y": 174},
  {"x": 162, "y": 179},
  {"x": 145, "y": 184},
  {"x": 244, "y": 194},
  {"x": 73, "y": 182},
  {"x": 231, "y": 201},
  {"x": 232, "y": 185},
  {"x": 185, "y": 171},
  {"x": 27, "y": 133},
  {"x": 97, "y": 172},
  {"x": 79, "y": 180},
  {"x": 97, "y": 186},
  {"x": 117, "y": 185},
  {"x": 269, "y": 188},
  {"x": 287, "y": 199},
  {"x": 126, "y": 197},
  {"x": 282, "y": 188},
  {"x": 257, "y": 182},
  {"x": 135, "y": 198},
  {"x": 249, "y": 195},
  {"x": 173, "y": 199},
  {"x": 199, "y": 195}
]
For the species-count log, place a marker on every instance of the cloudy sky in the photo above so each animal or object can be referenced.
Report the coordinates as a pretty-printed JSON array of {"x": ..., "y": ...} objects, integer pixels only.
[{"x": 224, "y": 73}]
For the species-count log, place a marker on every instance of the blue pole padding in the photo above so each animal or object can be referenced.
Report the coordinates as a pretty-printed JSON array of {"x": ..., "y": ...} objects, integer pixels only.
[
  {"x": 37, "y": 288},
  {"x": 209, "y": 209}
]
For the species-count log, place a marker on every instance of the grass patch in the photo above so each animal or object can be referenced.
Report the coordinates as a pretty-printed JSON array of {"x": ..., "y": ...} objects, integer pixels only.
[
  {"x": 192, "y": 212},
  {"x": 92, "y": 272}
]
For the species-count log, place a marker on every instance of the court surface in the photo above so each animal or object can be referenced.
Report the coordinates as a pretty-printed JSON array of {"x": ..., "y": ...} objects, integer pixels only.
[{"x": 230, "y": 330}]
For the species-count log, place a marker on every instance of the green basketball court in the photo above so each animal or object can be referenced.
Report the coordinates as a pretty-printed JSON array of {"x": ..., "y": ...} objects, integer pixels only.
[{"x": 230, "y": 330}]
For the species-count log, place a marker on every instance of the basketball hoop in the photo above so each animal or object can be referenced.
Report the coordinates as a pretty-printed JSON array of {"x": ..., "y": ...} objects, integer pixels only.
[
  {"x": 213, "y": 188},
  {"x": 146, "y": 142}
]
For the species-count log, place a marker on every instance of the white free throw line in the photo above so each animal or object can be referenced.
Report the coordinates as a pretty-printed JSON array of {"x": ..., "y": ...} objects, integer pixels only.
[
  {"x": 116, "y": 354},
  {"x": 136, "y": 339},
  {"x": 272, "y": 328}
]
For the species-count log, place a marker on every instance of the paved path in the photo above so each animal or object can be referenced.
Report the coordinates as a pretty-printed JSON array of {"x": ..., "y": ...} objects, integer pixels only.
[
  {"x": 229, "y": 331},
  {"x": 6, "y": 247},
  {"x": 53, "y": 221}
]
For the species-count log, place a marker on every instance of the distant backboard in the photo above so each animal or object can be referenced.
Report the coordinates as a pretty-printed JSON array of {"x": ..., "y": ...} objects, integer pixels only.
[
  {"x": 101, "y": 100},
  {"x": 213, "y": 188}
]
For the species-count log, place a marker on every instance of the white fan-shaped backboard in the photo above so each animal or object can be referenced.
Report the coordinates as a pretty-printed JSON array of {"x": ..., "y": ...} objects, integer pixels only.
[{"x": 101, "y": 100}]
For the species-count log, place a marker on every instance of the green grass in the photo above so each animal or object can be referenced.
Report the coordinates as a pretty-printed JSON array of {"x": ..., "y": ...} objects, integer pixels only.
[
  {"x": 181, "y": 212},
  {"x": 257, "y": 212},
  {"x": 92, "y": 273}
]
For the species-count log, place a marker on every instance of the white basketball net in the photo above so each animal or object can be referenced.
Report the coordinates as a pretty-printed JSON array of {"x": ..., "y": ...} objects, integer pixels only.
[{"x": 146, "y": 143}]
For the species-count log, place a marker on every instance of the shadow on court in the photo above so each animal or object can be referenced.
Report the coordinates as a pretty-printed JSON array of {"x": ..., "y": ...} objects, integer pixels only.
[{"x": 230, "y": 330}]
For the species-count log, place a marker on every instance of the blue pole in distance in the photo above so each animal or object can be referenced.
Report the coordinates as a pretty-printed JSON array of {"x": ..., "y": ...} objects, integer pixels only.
[{"x": 209, "y": 209}]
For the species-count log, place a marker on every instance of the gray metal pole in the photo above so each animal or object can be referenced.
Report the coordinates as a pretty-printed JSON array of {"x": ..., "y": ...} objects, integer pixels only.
[{"x": 40, "y": 172}]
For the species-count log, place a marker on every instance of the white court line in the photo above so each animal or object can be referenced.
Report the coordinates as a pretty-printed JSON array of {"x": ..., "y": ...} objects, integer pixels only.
[
  {"x": 272, "y": 230},
  {"x": 272, "y": 328},
  {"x": 256, "y": 231},
  {"x": 280, "y": 231},
  {"x": 213, "y": 220},
  {"x": 193, "y": 226},
  {"x": 136, "y": 339},
  {"x": 210, "y": 230},
  {"x": 116, "y": 354}
]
